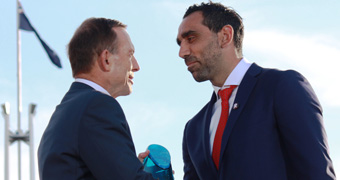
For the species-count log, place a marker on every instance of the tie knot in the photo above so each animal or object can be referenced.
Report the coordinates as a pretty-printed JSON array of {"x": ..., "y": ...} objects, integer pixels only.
[{"x": 226, "y": 93}]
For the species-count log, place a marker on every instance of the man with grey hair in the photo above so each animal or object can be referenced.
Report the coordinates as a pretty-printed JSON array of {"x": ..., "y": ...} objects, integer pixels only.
[{"x": 88, "y": 136}]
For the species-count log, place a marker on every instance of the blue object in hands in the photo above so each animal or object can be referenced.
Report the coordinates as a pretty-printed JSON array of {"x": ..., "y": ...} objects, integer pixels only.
[{"x": 158, "y": 162}]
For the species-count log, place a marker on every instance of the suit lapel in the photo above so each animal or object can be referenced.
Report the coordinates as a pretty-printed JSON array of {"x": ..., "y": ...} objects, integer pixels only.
[
  {"x": 206, "y": 137},
  {"x": 243, "y": 93}
]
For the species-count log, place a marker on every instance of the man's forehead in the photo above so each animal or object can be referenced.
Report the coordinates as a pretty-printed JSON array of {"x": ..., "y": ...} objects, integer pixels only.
[
  {"x": 191, "y": 22},
  {"x": 198, "y": 16}
]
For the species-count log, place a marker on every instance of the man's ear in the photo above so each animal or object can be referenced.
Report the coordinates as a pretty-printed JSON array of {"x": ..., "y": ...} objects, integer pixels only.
[
  {"x": 226, "y": 35},
  {"x": 103, "y": 60}
]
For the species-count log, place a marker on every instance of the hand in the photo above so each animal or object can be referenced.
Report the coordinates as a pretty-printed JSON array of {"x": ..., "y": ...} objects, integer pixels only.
[{"x": 143, "y": 155}]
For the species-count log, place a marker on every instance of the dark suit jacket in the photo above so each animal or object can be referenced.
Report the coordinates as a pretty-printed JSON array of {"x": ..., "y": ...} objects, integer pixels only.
[
  {"x": 88, "y": 137},
  {"x": 276, "y": 133}
]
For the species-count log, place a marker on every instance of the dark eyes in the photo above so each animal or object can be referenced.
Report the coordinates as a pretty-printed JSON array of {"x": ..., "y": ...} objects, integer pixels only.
[{"x": 190, "y": 38}]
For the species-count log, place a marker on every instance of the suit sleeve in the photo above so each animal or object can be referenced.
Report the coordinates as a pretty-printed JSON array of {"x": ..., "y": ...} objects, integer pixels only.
[
  {"x": 300, "y": 123},
  {"x": 189, "y": 169},
  {"x": 105, "y": 142}
]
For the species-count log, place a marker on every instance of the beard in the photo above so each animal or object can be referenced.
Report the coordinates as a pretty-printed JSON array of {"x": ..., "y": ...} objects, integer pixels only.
[{"x": 208, "y": 64}]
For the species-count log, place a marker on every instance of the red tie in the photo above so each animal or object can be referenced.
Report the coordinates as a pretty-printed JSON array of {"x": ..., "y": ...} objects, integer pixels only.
[{"x": 225, "y": 95}]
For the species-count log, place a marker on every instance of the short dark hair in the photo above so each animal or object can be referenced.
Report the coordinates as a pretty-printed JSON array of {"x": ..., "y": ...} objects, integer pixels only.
[
  {"x": 92, "y": 37},
  {"x": 216, "y": 15}
]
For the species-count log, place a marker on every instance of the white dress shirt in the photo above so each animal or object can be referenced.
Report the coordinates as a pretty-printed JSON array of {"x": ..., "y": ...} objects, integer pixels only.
[
  {"x": 93, "y": 85},
  {"x": 234, "y": 78}
]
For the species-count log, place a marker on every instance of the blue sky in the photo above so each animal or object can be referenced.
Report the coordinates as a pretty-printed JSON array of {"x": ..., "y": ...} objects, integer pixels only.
[{"x": 287, "y": 34}]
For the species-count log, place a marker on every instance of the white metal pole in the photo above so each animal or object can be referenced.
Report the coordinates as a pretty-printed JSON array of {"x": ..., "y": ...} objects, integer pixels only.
[
  {"x": 6, "y": 147},
  {"x": 31, "y": 140},
  {"x": 6, "y": 109},
  {"x": 19, "y": 89}
]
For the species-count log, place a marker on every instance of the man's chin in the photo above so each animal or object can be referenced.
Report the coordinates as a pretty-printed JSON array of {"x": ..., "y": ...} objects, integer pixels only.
[
  {"x": 198, "y": 78},
  {"x": 126, "y": 92}
]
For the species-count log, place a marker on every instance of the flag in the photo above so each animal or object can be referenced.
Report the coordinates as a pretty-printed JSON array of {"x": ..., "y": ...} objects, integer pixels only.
[{"x": 25, "y": 24}]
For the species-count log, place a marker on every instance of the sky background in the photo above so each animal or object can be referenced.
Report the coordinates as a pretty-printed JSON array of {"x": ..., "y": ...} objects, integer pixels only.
[{"x": 301, "y": 35}]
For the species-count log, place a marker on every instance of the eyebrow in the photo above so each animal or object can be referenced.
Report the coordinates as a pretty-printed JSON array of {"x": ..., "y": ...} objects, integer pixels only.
[{"x": 184, "y": 35}]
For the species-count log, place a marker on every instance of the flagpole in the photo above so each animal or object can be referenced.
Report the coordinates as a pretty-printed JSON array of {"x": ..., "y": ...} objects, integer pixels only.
[{"x": 19, "y": 88}]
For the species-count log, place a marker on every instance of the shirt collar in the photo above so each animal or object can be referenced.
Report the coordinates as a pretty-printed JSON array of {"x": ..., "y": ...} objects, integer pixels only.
[
  {"x": 235, "y": 76},
  {"x": 93, "y": 85}
]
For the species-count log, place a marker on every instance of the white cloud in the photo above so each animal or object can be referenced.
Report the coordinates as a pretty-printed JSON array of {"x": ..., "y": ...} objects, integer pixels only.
[
  {"x": 156, "y": 122},
  {"x": 315, "y": 57},
  {"x": 151, "y": 115},
  {"x": 176, "y": 9}
]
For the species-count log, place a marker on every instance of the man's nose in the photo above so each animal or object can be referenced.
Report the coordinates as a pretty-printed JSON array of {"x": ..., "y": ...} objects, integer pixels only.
[
  {"x": 184, "y": 51},
  {"x": 135, "y": 65}
]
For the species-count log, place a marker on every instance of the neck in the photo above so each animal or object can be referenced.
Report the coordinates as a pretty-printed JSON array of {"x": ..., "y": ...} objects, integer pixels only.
[
  {"x": 225, "y": 70},
  {"x": 86, "y": 76},
  {"x": 98, "y": 79}
]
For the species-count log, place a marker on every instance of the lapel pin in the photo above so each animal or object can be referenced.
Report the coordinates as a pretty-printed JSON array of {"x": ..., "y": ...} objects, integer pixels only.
[{"x": 235, "y": 106}]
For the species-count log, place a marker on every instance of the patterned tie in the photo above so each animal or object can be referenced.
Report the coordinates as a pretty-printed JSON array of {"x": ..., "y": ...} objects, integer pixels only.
[{"x": 225, "y": 95}]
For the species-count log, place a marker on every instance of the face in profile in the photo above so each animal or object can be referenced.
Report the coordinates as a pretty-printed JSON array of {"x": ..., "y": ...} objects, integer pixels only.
[
  {"x": 198, "y": 47},
  {"x": 124, "y": 64}
]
